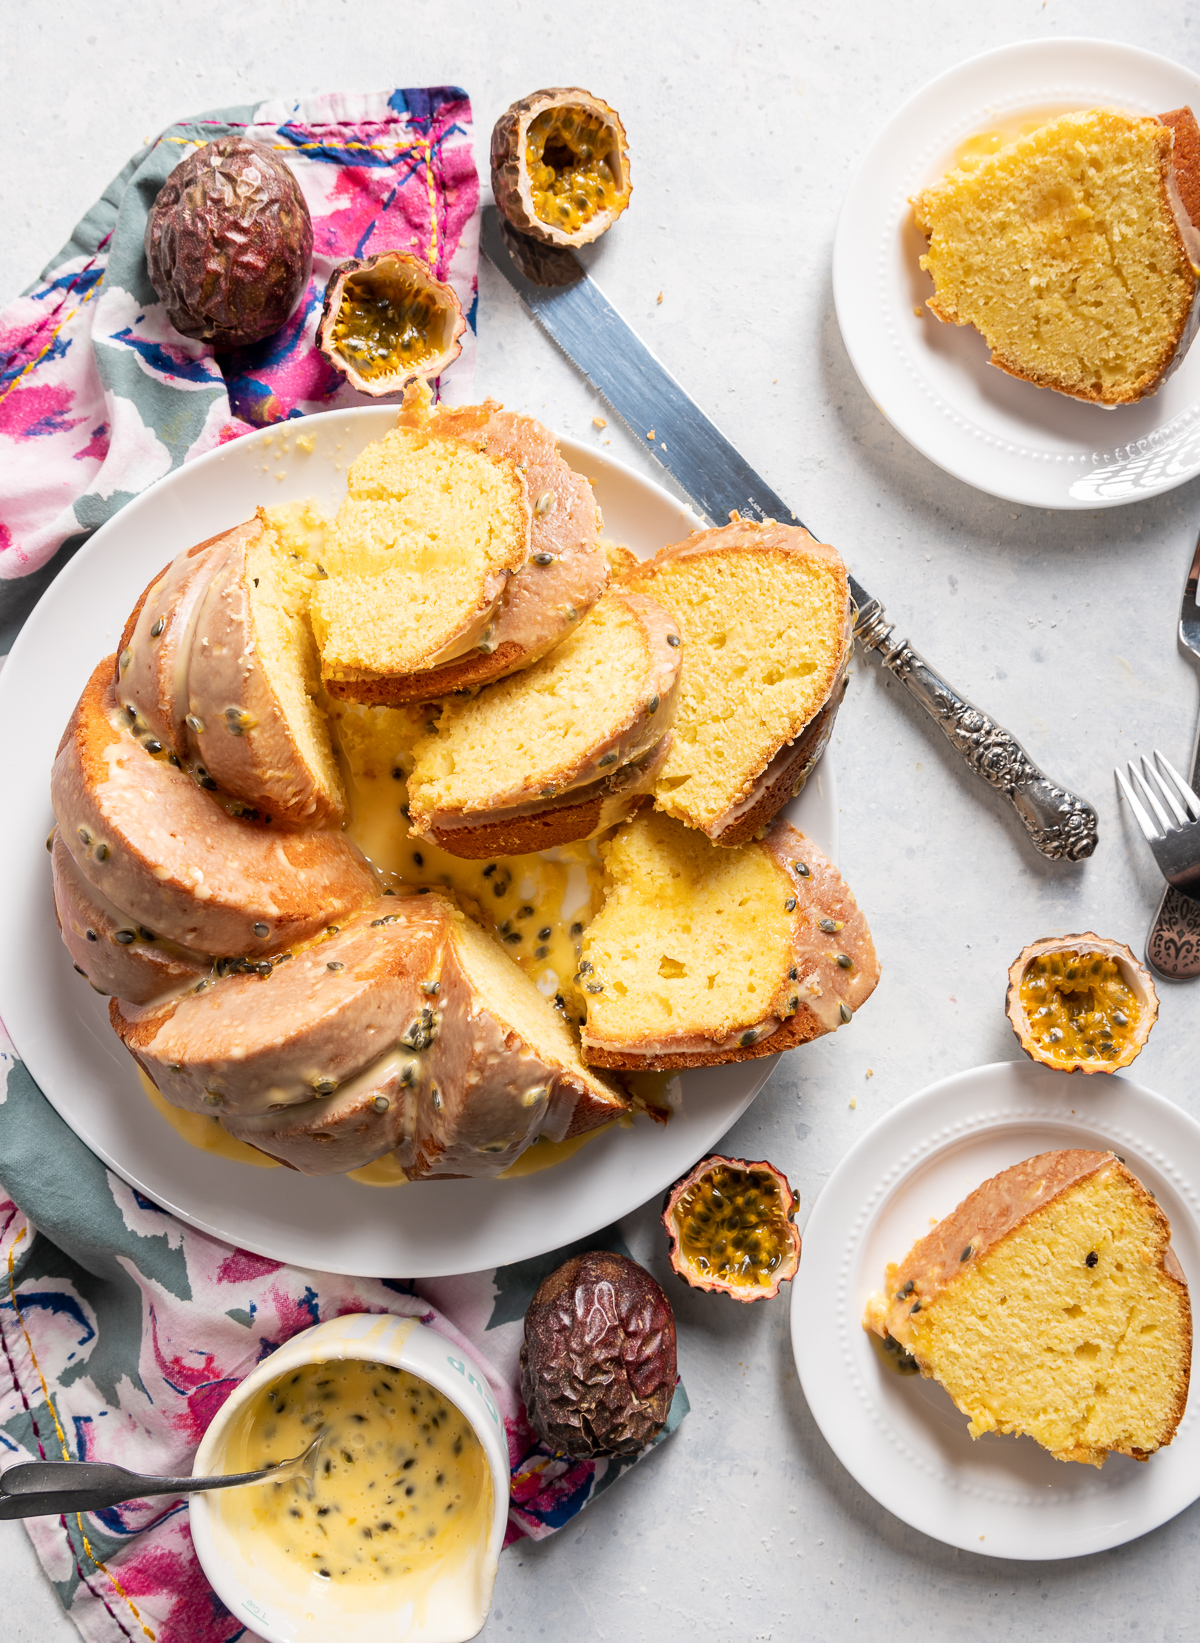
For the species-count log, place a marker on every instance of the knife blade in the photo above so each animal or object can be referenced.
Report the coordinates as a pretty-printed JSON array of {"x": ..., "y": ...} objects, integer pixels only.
[
  {"x": 1173, "y": 945},
  {"x": 669, "y": 424}
]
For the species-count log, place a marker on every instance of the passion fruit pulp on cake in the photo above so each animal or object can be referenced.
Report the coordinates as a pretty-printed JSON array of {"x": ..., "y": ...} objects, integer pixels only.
[
  {"x": 732, "y": 1228},
  {"x": 569, "y": 158}
]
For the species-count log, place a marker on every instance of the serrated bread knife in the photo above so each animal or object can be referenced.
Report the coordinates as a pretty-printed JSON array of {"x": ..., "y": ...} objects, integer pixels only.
[{"x": 579, "y": 318}]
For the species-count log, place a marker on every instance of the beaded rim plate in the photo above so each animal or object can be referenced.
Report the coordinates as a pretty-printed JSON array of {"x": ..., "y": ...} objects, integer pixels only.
[
  {"x": 60, "y": 1028},
  {"x": 900, "y": 1436},
  {"x": 932, "y": 381}
]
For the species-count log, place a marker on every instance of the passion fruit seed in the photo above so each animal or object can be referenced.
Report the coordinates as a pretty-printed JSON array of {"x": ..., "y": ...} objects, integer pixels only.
[
  {"x": 1078, "y": 1006},
  {"x": 569, "y": 158},
  {"x": 385, "y": 326},
  {"x": 732, "y": 1227}
]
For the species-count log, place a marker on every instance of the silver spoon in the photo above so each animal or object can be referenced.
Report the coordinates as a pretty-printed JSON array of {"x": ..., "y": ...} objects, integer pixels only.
[{"x": 38, "y": 1487}]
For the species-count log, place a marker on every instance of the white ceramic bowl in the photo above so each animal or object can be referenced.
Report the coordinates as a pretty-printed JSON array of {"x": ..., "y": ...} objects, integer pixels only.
[{"x": 309, "y": 1611}]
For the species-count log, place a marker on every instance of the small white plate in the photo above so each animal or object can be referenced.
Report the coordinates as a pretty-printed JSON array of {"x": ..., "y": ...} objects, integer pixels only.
[
  {"x": 933, "y": 381},
  {"x": 60, "y": 1027},
  {"x": 900, "y": 1436}
]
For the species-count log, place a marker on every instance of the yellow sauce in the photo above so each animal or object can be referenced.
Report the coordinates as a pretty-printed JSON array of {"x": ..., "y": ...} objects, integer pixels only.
[
  {"x": 401, "y": 1494},
  {"x": 204, "y": 1133},
  {"x": 981, "y": 145}
]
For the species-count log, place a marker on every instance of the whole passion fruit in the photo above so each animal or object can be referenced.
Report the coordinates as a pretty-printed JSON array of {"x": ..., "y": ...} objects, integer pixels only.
[
  {"x": 388, "y": 321},
  {"x": 1081, "y": 1003},
  {"x": 560, "y": 166},
  {"x": 229, "y": 243},
  {"x": 732, "y": 1227},
  {"x": 598, "y": 1363}
]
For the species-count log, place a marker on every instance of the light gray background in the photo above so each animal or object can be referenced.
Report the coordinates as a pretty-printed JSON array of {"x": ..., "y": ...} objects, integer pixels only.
[{"x": 745, "y": 121}]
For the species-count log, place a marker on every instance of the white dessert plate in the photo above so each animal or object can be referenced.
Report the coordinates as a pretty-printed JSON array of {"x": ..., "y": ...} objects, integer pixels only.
[
  {"x": 933, "y": 381},
  {"x": 900, "y": 1436},
  {"x": 60, "y": 1027}
]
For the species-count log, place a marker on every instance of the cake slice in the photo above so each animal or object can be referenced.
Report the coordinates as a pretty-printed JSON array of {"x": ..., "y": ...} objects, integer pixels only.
[
  {"x": 701, "y": 956},
  {"x": 405, "y": 1030},
  {"x": 156, "y": 845},
  {"x": 1050, "y": 1303},
  {"x": 1071, "y": 252},
  {"x": 218, "y": 664},
  {"x": 764, "y": 612},
  {"x": 556, "y": 752}
]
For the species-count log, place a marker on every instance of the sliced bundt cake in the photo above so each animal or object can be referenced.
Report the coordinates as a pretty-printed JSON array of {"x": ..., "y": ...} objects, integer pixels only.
[
  {"x": 1070, "y": 251},
  {"x": 172, "y": 859},
  {"x": 1050, "y": 1303},
  {"x": 218, "y": 664},
  {"x": 701, "y": 955},
  {"x": 406, "y": 1030},
  {"x": 764, "y": 612},
  {"x": 559, "y": 751}
]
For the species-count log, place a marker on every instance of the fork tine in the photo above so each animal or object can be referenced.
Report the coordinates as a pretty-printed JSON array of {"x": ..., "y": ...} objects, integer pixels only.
[
  {"x": 1143, "y": 820},
  {"x": 1158, "y": 784},
  {"x": 1164, "y": 821},
  {"x": 1187, "y": 794}
]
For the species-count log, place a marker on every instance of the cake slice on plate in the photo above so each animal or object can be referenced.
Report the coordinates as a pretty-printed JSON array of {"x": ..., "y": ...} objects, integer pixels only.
[
  {"x": 1050, "y": 1303},
  {"x": 1072, "y": 253},
  {"x": 701, "y": 956},
  {"x": 560, "y": 751},
  {"x": 764, "y": 613}
]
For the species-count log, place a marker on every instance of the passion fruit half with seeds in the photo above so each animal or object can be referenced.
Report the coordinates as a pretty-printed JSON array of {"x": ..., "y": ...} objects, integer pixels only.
[
  {"x": 560, "y": 166},
  {"x": 732, "y": 1227},
  {"x": 387, "y": 322},
  {"x": 229, "y": 243},
  {"x": 598, "y": 1364},
  {"x": 1081, "y": 1003}
]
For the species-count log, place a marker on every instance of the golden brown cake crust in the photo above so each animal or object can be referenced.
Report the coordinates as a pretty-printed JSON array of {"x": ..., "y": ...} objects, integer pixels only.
[{"x": 1185, "y": 158}]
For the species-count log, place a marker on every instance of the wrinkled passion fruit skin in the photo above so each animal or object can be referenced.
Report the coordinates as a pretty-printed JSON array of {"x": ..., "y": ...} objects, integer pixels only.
[
  {"x": 229, "y": 243},
  {"x": 1080, "y": 1003},
  {"x": 732, "y": 1227},
  {"x": 604, "y": 186},
  {"x": 598, "y": 1364}
]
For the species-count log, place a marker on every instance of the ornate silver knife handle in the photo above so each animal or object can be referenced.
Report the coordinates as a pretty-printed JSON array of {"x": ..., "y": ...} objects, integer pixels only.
[{"x": 1061, "y": 824}]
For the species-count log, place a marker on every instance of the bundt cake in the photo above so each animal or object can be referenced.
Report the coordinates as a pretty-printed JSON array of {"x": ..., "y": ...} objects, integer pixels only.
[
  {"x": 1071, "y": 252},
  {"x": 764, "y": 611},
  {"x": 465, "y": 549},
  {"x": 178, "y": 864},
  {"x": 1050, "y": 1303},
  {"x": 701, "y": 956},
  {"x": 559, "y": 751},
  {"x": 217, "y": 663},
  {"x": 404, "y": 1030}
]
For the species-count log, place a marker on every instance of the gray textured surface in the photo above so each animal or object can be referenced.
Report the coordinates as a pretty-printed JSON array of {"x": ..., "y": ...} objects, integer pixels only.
[{"x": 745, "y": 121}]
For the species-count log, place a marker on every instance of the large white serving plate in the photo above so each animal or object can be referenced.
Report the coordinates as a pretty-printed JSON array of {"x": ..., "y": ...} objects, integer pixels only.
[
  {"x": 60, "y": 1027},
  {"x": 932, "y": 381},
  {"x": 901, "y": 1437}
]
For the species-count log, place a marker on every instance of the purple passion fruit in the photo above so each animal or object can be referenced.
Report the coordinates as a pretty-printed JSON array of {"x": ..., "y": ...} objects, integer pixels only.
[
  {"x": 560, "y": 166},
  {"x": 732, "y": 1227},
  {"x": 229, "y": 243},
  {"x": 1081, "y": 1003},
  {"x": 388, "y": 322},
  {"x": 598, "y": 1363}
]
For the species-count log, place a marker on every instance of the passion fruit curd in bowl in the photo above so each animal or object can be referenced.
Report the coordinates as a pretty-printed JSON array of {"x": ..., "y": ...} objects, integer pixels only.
[{"x": 397, "y": 1532}]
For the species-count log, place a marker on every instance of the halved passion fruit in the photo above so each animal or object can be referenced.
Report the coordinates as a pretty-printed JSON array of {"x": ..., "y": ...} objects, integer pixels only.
[
  {"x": 387, "y": 321},
  {"x": 1081, "y": 1003},
  {"x": 560, "y": 166},
  {"x": 732, "y": 1227}
]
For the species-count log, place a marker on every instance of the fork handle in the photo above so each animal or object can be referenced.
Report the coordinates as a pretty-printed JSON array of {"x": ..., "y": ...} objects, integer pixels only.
[
  {"x": 1061, "y": 825},
  {"x": 1173, "y": 945}
]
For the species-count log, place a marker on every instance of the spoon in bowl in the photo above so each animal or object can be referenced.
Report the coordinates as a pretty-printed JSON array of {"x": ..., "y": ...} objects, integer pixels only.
[{"x": 38, "y": 1487}]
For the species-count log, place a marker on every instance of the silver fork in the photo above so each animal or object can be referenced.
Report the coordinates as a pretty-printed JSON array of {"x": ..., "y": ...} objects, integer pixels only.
[{"x": 1173, "y": 831}]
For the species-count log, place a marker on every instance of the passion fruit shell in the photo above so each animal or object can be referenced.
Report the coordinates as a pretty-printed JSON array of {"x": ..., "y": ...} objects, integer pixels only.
[
  {"x": 560, "y": 166},
  {"x": 1080, "y": 1003},
  {"x": 732, "y": 1226},
  {"x": 387, "y": 322},
  {"x": 598, "y": 1364},
  {"x": 229, "y": 243}
]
